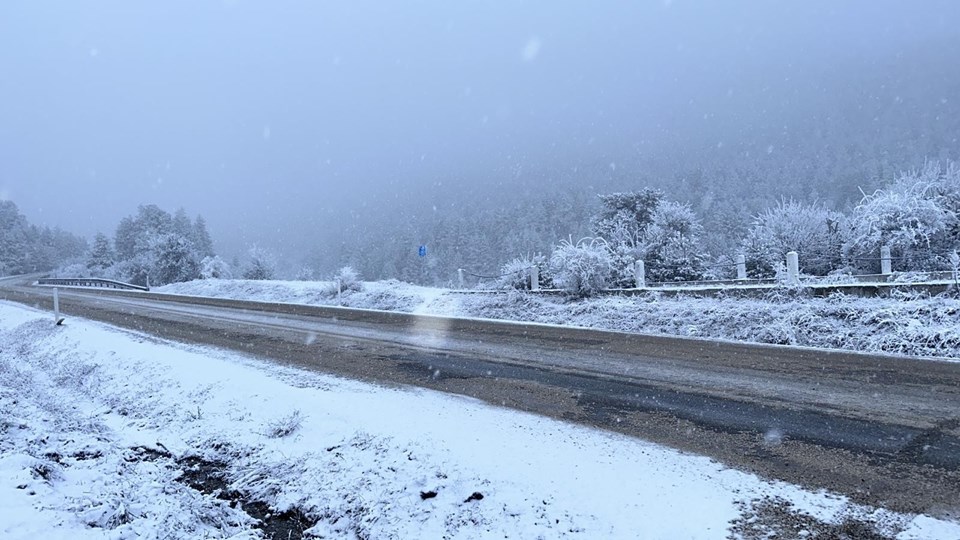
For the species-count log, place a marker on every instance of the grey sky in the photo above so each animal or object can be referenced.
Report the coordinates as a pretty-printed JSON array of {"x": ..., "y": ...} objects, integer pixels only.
[{"x": 270, "y": 118}]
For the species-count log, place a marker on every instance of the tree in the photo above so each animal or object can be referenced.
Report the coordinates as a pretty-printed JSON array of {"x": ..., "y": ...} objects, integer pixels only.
[
  {"x": 915, "y": 216},
  {"x": 671, "y": 244},
  {"x": 261, "y": 265},
  {"x": 13, "y": 239},
  {"x": 622, "y": 223},
  {"x": 101, "y": 255},
  {"x": 625, "y": 216},
  {"x": 201, "y": 238},
  {"x": 812, "y": 230},
  {"x": 175, "y": 260}
]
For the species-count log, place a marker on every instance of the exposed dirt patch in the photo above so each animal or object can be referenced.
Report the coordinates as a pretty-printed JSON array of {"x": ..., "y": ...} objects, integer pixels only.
[
  {"x": 209, "y": 477},
  {"x": 777, "y": 518}
]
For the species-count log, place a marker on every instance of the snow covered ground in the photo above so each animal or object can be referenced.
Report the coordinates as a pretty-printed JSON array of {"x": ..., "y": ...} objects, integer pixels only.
[
  {"x": 903, "y": 323},
  {"x": 108, "y": 433}
]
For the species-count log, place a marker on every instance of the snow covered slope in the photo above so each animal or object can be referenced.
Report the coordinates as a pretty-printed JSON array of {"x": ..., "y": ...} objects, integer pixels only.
[{"x": 107, "y": 433}]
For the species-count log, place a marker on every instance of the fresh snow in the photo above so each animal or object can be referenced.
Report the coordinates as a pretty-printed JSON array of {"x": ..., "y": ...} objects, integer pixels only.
[
  {"x": 905, "y": 323},
  {"x": 88, "y": 412}
]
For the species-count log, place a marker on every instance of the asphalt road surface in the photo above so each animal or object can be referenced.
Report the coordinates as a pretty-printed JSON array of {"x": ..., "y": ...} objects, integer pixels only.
[{"x": 884, "y": 430}]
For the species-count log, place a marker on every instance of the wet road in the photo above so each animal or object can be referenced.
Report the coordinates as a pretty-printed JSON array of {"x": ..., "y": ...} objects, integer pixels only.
[{"x": 882, "y": 429}]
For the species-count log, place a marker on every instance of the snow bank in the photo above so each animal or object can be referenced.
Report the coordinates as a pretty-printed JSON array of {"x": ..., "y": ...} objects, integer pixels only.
[
  {"x": 100, "y": 427},
  {"x": 903, "y": 323}
]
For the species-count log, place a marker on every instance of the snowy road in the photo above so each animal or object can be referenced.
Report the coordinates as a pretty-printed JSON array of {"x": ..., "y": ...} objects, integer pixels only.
[{"x": 883, "y": 430}]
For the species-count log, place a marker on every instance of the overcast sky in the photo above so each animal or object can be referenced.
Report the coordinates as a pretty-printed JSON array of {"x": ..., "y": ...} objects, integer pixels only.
[{"x": 268, "y": 117}]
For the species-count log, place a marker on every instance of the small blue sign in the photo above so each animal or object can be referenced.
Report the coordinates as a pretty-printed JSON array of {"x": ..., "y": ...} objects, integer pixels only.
[{"x": 422, "y": 251}]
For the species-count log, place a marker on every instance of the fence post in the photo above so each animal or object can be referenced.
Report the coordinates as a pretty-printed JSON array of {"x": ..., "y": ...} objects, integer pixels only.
[
  {"x": 741, "y": 266},
  {"x": 793, "y": 268},
  {"x": 885, "y": 266},
  {"x": 640, "y": 274},
  {"x": 339, "y": 292},
  {"x": 534, "y": 278},
  {"x": 460, "y": 276}
]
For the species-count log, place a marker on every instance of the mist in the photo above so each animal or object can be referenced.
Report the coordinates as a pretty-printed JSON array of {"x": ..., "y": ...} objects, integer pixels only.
[{"x": 318, "y": 129}]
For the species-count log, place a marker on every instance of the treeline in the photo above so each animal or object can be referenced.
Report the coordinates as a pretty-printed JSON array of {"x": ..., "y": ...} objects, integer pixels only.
[
  {"x": 26, "y": 248},
  {"x": 152, "y": 247},
  {"x": 917, "y": 217}
]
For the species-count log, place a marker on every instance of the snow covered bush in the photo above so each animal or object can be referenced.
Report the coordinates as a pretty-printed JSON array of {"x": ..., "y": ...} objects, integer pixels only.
[
  {"x": 305, "y": 273},
  {"x": 214, "y": 268},
  {"x": 349, "y": 279},
  {"x": 516, "y": 273},
  {"x": 284, "y": 426},
  {"x": 916, "y": 216},
  {"x": 78, "y": 270},
  {"x": 812, "y": 230},
  {"x": 584, "y": 268},
  {"x": 261, "y": 265}
]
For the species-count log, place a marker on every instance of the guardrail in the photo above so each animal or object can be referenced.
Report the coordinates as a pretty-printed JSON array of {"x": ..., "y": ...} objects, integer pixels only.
[{"x": 96, "y": 283}]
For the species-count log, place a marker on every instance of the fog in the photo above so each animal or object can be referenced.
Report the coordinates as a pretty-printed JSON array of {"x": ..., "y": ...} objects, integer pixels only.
[{"x": 298, "y": 125}]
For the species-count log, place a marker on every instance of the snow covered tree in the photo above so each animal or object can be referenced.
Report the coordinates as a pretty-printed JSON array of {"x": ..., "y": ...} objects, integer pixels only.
[
  {"x": 916, "y": 216},
  {"x": 214, "y": 268},
  {"x": 175, "y": 260},
  {"x": 261, "y": 264},
  {"x": 624, "y": 216},
  {"x": 201, "y": 238},
  {"x": 13, "y": 239},
  {"x": 181, "y": 223},
  {"x": 584, "y": 268},
  {"x": 622, "y": 223},
  {"x": 671, "y": 244},
  {"x": 101, "y": 254},
  {"x": 812, "y": 230}
]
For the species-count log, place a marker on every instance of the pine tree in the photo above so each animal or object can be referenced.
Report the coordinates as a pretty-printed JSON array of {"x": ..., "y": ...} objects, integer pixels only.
[
  {"x": 101, "y": 255},
  {"x": 201, "y": 238},
  {"x": 175, "y": 261}
]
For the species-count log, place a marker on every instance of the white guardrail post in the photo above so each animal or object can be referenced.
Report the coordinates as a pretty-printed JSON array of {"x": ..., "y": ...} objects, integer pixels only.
[
  {"x": 460, "y": 276},
  {"x": 741, "y": 266},
  {"x": 793, "y": 268},
  {"x": 640, "y": 274},
  {"x": 57, "y": 320},
  {"x": 534, "y": 278},
  {"x": 885, "y": 266}
]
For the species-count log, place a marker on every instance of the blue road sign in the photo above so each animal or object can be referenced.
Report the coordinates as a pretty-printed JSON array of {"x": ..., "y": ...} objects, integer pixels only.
[{"x": 422, "y": 251}]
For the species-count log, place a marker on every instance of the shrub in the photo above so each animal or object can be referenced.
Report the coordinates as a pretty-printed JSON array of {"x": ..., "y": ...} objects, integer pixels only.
[
  {"x": 349, "y": 279},
  {"x": 584, "y": 268},
  {"x": 516, "y": 273}
]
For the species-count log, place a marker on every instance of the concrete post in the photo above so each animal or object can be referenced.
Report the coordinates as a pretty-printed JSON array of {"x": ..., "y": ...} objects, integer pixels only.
[
  {"x": 741, "y": 266},
  {"x": 793, "y": 268},
  {"x": 460, "y": 276},
  {"x": 885, "y": 266},
  {"x": 534, "y": 278},
  {"x": 640, "y": 274}
]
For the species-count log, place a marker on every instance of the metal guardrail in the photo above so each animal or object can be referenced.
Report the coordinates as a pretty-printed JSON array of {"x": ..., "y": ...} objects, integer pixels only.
[{"x": 96, "y": 283}]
